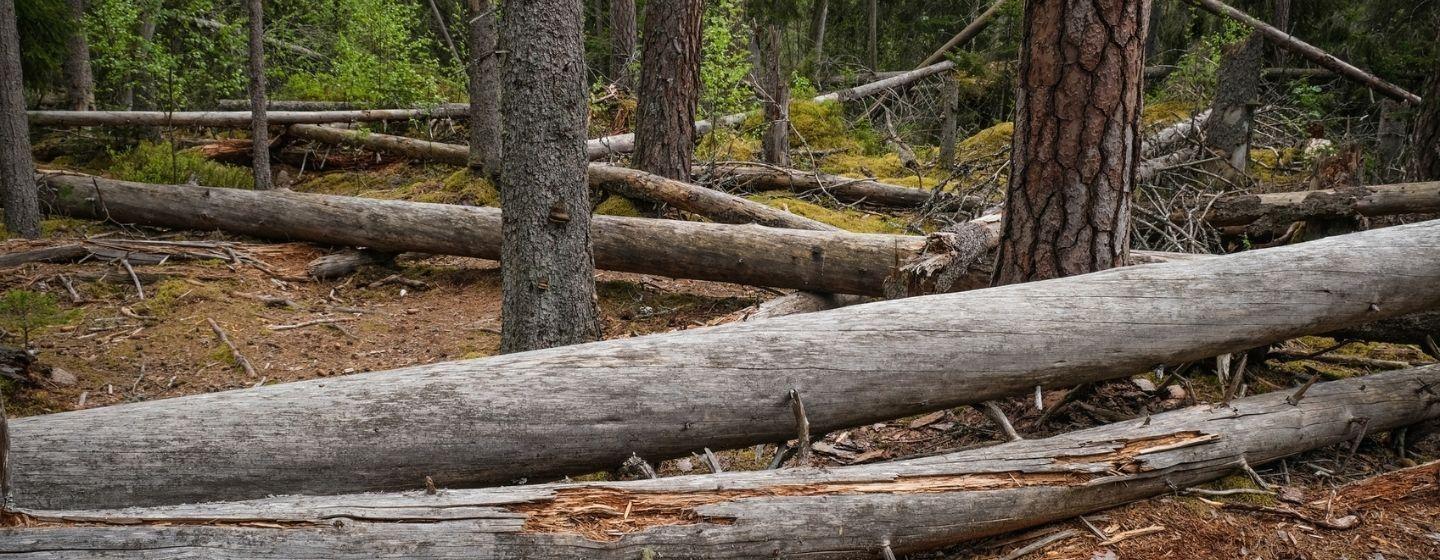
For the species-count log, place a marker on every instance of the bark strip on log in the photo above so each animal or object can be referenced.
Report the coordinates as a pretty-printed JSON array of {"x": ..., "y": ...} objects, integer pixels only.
[
  {"x": 1310, "y": 52},
  {"x": 841, "y": 513},
  {"x": 845, "y": 189},
  {"x": 581, "y": 408},
  {"x": 233, "y": 118},
  {"x": 710, "y": 203},
  {"x": 1286, "y": 207}
]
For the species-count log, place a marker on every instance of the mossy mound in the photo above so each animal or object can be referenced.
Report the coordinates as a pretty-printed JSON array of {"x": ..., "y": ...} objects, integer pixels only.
[
  {"x": 727, "y": 145},
  {"x": 458, "y": 187},
  {"x": 462, "y": 187},
  {"x": 848, "y": 220},
  {"x": 615, "y": 205},
  {"x": 986, "y": 143},
  {"x": 1161, "y": 113},
  {"x": 159, "y": 163},
  {"x": 1278, "y": 167}
]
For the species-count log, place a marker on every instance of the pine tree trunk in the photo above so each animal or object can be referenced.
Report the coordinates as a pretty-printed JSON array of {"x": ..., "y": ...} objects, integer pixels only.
[
  {"x": 259, "y": 126},
  {"x": 1077, "y": 139},
  {"x": 484, "y": 88},
  {"x": 17, "y": 169},
  {"x": 669, "y": 88},
  {"x": 774, "y": 90},
  {"x": 872, "y": 51},
  {"x": 79, "y": 82},
  {"x": 1229, "y": 127},
  {"x": 949, "y": 108},
  {"x": 622, "y": 42},
  {"x": 818, "y": 16},
  {"x": 548, "y": 270},
  {"x": 1282, "y": 22},
  {"x": 1426, "y": 166}
]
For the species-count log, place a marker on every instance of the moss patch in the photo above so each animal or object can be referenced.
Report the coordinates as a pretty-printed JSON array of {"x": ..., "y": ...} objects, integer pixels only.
[
  {"x": 159, "y": 163},
  {"x": 727, "y": 145},
  {"x": 1166, "y": 112},
  {"x": 615, "y": 205},
  {"x": 848, "y": 220}
]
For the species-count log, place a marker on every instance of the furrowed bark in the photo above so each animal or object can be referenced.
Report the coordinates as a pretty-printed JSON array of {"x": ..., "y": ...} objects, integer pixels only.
[
  {"x": 484, "y": 70},
  {"x": 824, "y": 261},
  {"x": 79, "y": 82},
  {"x": 1310, "y": 52},
  {"x": 966, "y": 34},
  {"x": 842, "y": 188},
  {"x": 773, "y": 90},
  {"x": 669, "y": 88},
  {"x": 235, "y": 119},
  {"x": 841, "y": 513},
  {"x": 17, "y": 165},
  {"x": 622, "y": 42},
  {"x": 1281, "y": 209},
  {"x": 259, "y": 124},
  {"x": 1425, "y": 165},
  {"x": 633, "y": 183},
  {"x": 600, "y": 148},
  {"x": 587, "y": 407},
  {"x": 1238, "y": 92}
]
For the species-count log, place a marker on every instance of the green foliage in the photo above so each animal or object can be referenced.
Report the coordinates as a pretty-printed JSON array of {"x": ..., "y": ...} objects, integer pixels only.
[
  {"x": 379, "y": 57},
  {"x": 1194, "y": 78},
  {"x": 44, "y": 25},
  {"x": 1310, "y": 98},
  {"x": 725, "y": 59},
  {"x": 182, "y": 65},
  {"x": 25, "y": 312},
  {"x": 160, "y": 163}
]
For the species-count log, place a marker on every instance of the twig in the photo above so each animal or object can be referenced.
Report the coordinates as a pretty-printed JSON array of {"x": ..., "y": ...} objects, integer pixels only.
[
  {"x": 885, "y": 552},
  {"x": 1093, "y": 529},
  {"x": 1294, "y": 399},
  {"x": 70, "y": 287},
  {"x": 712, "y": 461},
  {"x": 1039, "y": 544},
  {"x": 234, "y": 352},
  {"x": 309, "y": 323},
  {"x": 802, "y": 428},
  {"x": 139, "y": 290},
  {"x": 1341, "y": 524},
  {"x": 398, "y": 279},
  {"x": 1229, "y": 492},
  {"x": 1254, "y": 476},
  {"x": 1124, "y": 535},
  {"x": 993, "y": 412}
]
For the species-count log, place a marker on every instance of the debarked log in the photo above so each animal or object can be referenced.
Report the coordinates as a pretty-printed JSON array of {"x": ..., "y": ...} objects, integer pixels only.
[
  {"x": 233, "y": 118},
  {"x": 841, "y": 513},
  {"x": 583, "y": 408},
  {"x": 846, "y": 189},
  {"x": 1281, "y": 209}
]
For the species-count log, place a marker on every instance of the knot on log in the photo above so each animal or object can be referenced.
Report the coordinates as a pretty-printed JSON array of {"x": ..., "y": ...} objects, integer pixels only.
[{"x": 947, "y": 257}]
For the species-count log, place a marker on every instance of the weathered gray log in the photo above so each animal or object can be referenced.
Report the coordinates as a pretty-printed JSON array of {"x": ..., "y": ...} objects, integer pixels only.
[
  {"x": 1287, "y": 207},
  {"x": 297, "y": 105},
  {"x": 633, "y": 183},
  {"x": 1420, "y": 329},
  {"x": 232, "y": 118},
  {"x": 600, "y": 148},
  {"x": 842, "y": 188},
  {"x": 841, "y": 513},
  {"x": 346, "y": 262},
  {"x": 582, "y": 408},
  {"x": 59, "y": 253},
  {"x": 1310, "y": 52},
  {"x": 824, "y": 261},
  {"x": 1164, "y": 141}
]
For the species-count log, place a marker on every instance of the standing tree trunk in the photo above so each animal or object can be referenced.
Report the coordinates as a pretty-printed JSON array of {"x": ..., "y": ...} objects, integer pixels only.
[
  {"x": 1077, "y": 139},
  {"x": 17, "y": 169},
  {"x": 948, "y": 122},
  {"x": 774, "y": 90},
  {"x": 1282, "y": 22},
  {"x": 139, "y": 79},
  {"x": 872, "y": 51},
  {"x": 622, "y": 42},
  {"x": 484, "y": 89},
  {"x": 818, "y": 17},
  {"x": 669, "y": 88},
  {"x": 1426, "y": 165},
  {"x": 259, "y": 127},
  {"x": 79, "y": 83},
  {"x": 1229, "y": 127},
  {"x": 547, "y": 268}
]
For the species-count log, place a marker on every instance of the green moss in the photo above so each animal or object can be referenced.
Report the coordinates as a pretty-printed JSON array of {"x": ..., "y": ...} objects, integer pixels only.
[
  {"x": 159, "y": 163},
  {"x": 727, "y": 145},
  {"x": 1239, "y": 481},
  {"x": 1301, "y": 368},
  {"x": 171, "y": 293},
  {"x": 463, "y": 187},
  {"x": 985, "y": 143},
  {"x": 63, "y": 226},
  {"x": 615, "y": 205},
  {"x": 848, "y": 220},
  {"x": 1166, "y": 112}
]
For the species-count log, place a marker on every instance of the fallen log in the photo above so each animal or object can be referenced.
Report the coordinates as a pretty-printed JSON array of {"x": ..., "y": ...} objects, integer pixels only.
[
  {"x": 710, "y": 203},
  {"x": 965, "y": 35},
  {"x": 824, "y": 261},
  {"x": 1420, "y": 329},
  {"x": 1281, "y": 209},
  {"x": 1275, "y": 74},
  {"x": 587, "y": 407},
  {"x": 1310, "y": 52},
  {"x": 600, "y": 148},
  {"x": 295, "y": 105},
  {"x": 855, "y": 512},
  {"x": 845, "y": 189},
  {"x": 233, "y": 118}
]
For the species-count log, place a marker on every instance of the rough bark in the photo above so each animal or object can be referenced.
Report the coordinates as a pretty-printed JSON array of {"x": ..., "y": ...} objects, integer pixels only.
[
  {"x": 632, "y": 183},
  {"x": 965, "y": 35},
  {"x": 949, "y": 107},
  {"x": 773, "y": 89},
  {"x": 669, "y": 88},
  {"x": 622, "y": 42},
  {"x": 1309, "y": 52},
  {"x": 1282, "y": 22},
  {"x": 259, "y": 126},
  {"x": 1077, "y": 139},
  {"x": 1282, "y": 209},
  {"x": 17, "y": 168},
  {"x": 600, "y": 148},
  {"x": 484, "y": 88},
  {"x": 848, "y": 512},
  {"x": 872, "y": 32},
  {"x": 548, "y": 270},
  {"x": 232, "y": 118},
  {"x": 1239, "y": 91},
  {"x": 1426, "y": 163},
  {"x": 79, "y": 82},
  {"x": 822, "y": 261},
  {"x": 845, "y": 189}
]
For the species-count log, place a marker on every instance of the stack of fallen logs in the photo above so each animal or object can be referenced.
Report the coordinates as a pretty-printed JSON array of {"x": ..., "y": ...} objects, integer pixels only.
[{"x": 292, "y": 461}]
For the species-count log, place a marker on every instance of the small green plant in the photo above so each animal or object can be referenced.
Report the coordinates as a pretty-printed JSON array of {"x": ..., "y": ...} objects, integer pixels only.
[
  {"x": 159, "y": 163},
  {"x": 25, "y": 312}
]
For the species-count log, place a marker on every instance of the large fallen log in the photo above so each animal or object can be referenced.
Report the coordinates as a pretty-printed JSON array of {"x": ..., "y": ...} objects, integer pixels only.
[
  {"x": 1310, "y": 52},
  {"x": 710, "y": 203},
  {"x": 582, "y": 408},
  {"x": 846, "y": 189},
  {"x": 296, "y": 105},
  {"x": 600, "y": 148},
  {"x": 857, "y": 512},
  {"x": 233, "y": 118},
  {"x": 1281, "y": 209}
]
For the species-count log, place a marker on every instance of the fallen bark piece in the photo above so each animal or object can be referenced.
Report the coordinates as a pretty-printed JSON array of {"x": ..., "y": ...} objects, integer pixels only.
[
  {"x": 716, "y": 205},
  {"x": 587, "y": 407},
  {"x": 1281, "y": 209},
  {"x": 346, "y": 262},
  {"x": 838, "y": 513},
  {"x": 232, "y": 118}
]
